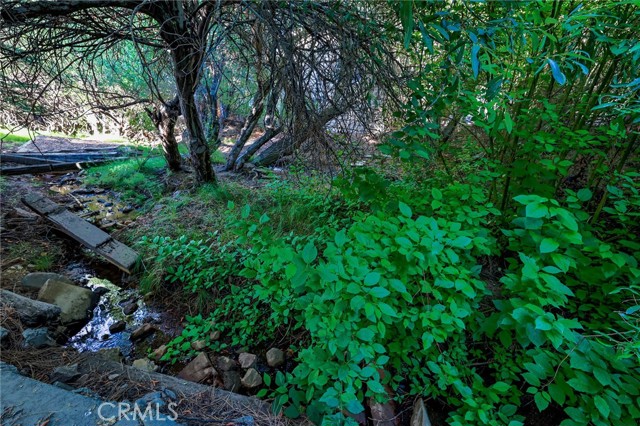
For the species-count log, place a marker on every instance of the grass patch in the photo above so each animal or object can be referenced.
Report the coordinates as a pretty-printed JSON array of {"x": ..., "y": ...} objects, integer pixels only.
[
  {"x": 10, "y": 140},
  {"x": 40, "y": 256},
  {"x": 137, "y": 179},
  {"x": 218, "y": 157}
]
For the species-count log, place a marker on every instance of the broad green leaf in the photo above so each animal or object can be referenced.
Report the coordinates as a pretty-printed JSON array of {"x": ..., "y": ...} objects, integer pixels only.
[
  {"x": 602, "y": 376},
  {"x": 584, "y": 194},
  {"x": 461, "y": 242},
  {"x": 541, "y": 402},
  {"x": 602, "y": 406},
  {"x": 436, "y": 194},
  {"x": 387, "y": 310},
  {"x": 556, "y": 393},
  {"x": 548, "y": 245},
  {"x": 582, "y": 383},
  {"x": 365, "y": 334},
  {"x": 501, "y": 387},
  {"x": 292, "y": 412},
  {"x": 562, "y": 262},
  {"x": 354, "y": 406},
  {"x": 405, "y": 209},
  {"x": 372, "y": 278},
  {"x": 357, "y": 303},
  {"x": 375, "y": 386},
  {"x": 340, "y": 238},
  {"x": 536, "y": 210},
  {"x": 397, "y": 285},
  {"x": 406, "y": 17},
  {"x": 508, "y": 122},
  {"x": 309, "y": 253},
  {"x": 380, "y": 292}
]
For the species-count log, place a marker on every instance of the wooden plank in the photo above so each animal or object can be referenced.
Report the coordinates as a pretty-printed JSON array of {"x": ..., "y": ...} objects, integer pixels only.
[
  {"x": 121, "y": 255},
  {"x": 40, "y": 204},
  {"x": 25, "y": 159},
  {"x": 82, "y": 231},
  {"x": 74, "y": 157},
  {"x": 53, "y": 167}
]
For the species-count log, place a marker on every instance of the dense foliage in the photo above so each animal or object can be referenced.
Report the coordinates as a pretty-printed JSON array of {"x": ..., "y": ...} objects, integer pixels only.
[{"x": 489, "y": 263}]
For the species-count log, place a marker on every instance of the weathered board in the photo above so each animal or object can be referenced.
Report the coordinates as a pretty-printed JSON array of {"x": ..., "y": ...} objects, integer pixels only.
[
  {"x": 25, "y": 159},
  {"x": 49, "y": 168},
  {"x": 82, "y": 231},
  {"x": 71, "y": 157}
]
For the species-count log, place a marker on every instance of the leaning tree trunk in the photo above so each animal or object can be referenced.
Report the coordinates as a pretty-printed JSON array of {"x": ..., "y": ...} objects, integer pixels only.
[
  {"x": 282, "y": 148},
  {"x": 164, "y": 119},
  {"x": 187, "y": 58},
  {"x": 303, "y": 130},
  {"x": 247, "y": 129},
  {"x": 271, "y": 130},
  {"x": 269, "y": 134}
]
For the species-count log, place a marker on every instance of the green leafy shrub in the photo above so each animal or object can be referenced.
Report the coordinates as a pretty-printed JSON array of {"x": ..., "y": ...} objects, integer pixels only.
[{"x": 380, "y": 299}]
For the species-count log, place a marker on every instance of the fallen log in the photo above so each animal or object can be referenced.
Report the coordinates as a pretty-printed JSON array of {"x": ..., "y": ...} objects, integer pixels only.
[
  {"x": 82, "y": 231},
  {"x": 26, "y": 159},
  {"x": 68, "y": 157},
  {"x": 31, "y": 312},
  {"x": 53, "y": 167}
]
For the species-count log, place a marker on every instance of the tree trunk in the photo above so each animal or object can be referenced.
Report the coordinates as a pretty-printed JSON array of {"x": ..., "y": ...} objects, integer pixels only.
[
  {"x": 247, "y": 129},
  {"x": 285, "y": 146},
  {"x": 301, "y": 131},
  {"x": 269, "y": 134},
  {"x": 164, "y": 119},
  {"x": 187, "y": 58}
]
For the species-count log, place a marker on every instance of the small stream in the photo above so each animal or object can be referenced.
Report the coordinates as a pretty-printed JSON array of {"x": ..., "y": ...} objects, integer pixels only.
[
  {"x": 117, "y": 293},
  {"x": 95, "y": 334}
]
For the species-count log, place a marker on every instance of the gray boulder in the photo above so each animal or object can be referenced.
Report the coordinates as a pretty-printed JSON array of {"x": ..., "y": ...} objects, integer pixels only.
[
  {"x": 143, "y": 331},
  {"x": 198, "y": 345},
  {"x": 36, "y": 280},
  {"x": 37, "y": 338},
  {"x": 382, "y": 414},
  {"x": 159, "y": 353},
  {"x": 111, "y": 354},
  {"x": 198, "y": 370},
  {"x": 130, "y": 308},
  {"x": 275, "y": 357},
  {"x": 247, "y": 360},
  {"x": 30, "y": 312},
  {"x": 65, "y": 374},
  {"x": 252, "y": 379},
  {"x": 145, "y": 364},
  {"x": 75, "y": 302}
]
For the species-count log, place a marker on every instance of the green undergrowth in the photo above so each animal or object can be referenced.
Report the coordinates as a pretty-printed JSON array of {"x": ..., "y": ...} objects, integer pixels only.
[
  {"x": 496, "y": 276},
  {"x": 136, "y": 179},
  {"x": 376, "y": 290},
  {"x": 209, "y": 215}
]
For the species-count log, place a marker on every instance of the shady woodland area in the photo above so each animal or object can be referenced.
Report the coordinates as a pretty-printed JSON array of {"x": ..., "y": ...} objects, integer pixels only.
[{"x": 346, "y": 212}]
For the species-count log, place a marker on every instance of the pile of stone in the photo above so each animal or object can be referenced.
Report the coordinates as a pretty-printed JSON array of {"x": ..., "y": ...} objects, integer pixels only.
[
  {"x": 231, "y": 374},
  {"x": 60, "y": 304}
]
